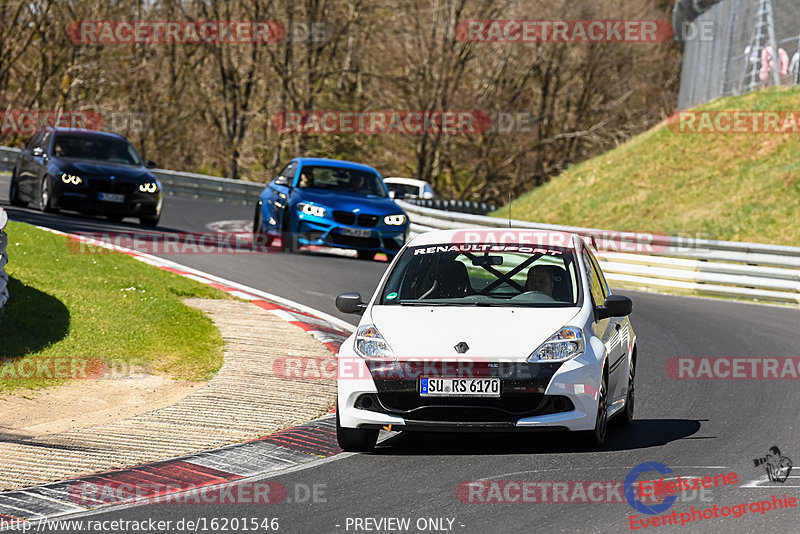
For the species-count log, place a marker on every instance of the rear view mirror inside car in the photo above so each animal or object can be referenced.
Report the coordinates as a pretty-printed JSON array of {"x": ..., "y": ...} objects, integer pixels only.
[{"x": 482, "y": 261}]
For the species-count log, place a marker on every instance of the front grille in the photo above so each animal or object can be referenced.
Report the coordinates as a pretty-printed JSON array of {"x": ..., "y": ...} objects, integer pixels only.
[
  {"x": 108, "y": 186},
  {"x": 355, "y": 242},
  {"x": 344, "y": 217},
  {"x": 505, "y": 409},
  {"x": 367, "y": 220}
]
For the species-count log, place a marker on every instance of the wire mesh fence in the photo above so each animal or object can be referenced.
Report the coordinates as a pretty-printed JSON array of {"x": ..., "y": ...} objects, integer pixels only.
[{"x": 730, "y": 47}]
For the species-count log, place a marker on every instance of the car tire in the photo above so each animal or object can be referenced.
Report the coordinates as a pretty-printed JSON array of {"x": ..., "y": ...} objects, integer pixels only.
[
  {"x": 355, "y": 439},
  {"x": 288, "y": 238},
  {"x": 365, "y": 254},
  {"x": 597, "y": 437},
  {"x": 13, "y": 192},
  {"x": 149, "y": 222},
  {"x": 257, "y": 222},
  {"x": 45, "y": 204},
  {"x": 260, "y": 238},
  {"x": 626, "y": 417}
]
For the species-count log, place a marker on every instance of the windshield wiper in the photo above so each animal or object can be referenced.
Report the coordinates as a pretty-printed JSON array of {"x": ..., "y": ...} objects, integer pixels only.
[{"x": 429, "y": 303}]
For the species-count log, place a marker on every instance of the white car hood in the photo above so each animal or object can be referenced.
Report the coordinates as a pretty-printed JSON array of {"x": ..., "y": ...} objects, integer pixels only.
[{"x": 492, "y": 333}]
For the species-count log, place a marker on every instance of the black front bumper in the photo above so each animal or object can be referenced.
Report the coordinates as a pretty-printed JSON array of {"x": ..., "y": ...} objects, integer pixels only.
[
  {"x": 522, "y": 387},
  {"x": 88, "y": 202}
]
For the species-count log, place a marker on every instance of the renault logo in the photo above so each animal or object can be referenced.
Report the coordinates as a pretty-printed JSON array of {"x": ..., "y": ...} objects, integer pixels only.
[{"x": 461, "y": 348}]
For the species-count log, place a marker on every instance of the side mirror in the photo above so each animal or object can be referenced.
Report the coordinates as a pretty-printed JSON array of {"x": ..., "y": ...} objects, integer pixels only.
[
  {"x": 282, "y": 180},
  {"x": 614, "y": 306},
  {"x": 38, "y": 151},
  {"x": 150, "y": 164},
  {"x": 350, "y": 303}
]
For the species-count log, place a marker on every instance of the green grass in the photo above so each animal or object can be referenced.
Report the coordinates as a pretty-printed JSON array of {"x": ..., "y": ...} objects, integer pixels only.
[
  {"x": 104, "y": 306},
  {"x": 739, "y": 187}
]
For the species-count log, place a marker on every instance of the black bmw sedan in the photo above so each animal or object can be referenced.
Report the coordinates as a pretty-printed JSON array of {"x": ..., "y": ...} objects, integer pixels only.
[{"x": 86, "y": 171}]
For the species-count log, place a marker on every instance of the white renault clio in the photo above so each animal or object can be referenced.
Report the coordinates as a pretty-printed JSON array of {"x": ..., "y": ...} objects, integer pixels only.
[{"x": 487, "y": 329}]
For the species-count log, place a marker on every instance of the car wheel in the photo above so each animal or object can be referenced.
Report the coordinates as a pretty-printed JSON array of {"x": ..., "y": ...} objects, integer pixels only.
[
  {"x": 46, "y": 196},
  {"x": 355, "y": 439},
  {"x": 150, "y": 222},
  {"x": 626, "y": 417},
  {"x": 257, "y": 222},
  {"x": 260, "y": 238},
  {"x": 287, "y": 237},
  {"x": 365, "y": 254},
  {"x": 597, "y": 437},
  {"x": 13, "y": 192}
]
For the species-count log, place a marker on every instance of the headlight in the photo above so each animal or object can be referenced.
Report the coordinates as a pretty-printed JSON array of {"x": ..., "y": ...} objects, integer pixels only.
[
  {"x": 149, "y": 187},
  {"x": 71, "y": 179},
  {"x": 564, "y": 345},
  {"x": 370, "y": 344},
  {"x": 394, "y": 220},
  {"x": 311, "y": 209}
]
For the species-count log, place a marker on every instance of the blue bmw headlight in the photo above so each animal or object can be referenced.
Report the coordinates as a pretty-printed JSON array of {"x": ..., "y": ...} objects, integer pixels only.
[
  {"x": 395, "y": 220},
  {"x": 311, "y": 209}
]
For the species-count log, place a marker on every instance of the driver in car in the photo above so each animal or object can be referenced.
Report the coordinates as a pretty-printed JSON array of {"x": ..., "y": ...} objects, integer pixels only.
[
  {"x": 306, "y": 180},
  {"x": 540, "y": 279},
  {"x": 357, "y": 182}
]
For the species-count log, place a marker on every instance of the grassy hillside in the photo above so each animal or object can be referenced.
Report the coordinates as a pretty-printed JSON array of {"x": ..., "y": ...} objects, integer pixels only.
[{"x": 740, "y": 187}]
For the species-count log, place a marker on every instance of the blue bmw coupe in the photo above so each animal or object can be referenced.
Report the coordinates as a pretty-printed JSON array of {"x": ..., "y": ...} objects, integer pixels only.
[{"x": 331, "y": 203}]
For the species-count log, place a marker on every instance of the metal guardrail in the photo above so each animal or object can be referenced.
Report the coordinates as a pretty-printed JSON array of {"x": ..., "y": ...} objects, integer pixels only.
[
  {"x": 187, "y": 184},
  {"x": 752, "y": 271},
  {"x": 461, "y": 206},
  {"x": 182, "y": 184},
  {"x": 8, "y": 157},
  {"x": 3, "y": 258}
]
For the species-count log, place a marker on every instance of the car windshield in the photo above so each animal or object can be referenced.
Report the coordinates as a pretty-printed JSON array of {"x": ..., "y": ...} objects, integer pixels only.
[
  {"x": 484, "y": 275},
  {"x": 353, "y": 181},
  {"x": 405, "y": 189},
  {"x": 97, "y": 148}
]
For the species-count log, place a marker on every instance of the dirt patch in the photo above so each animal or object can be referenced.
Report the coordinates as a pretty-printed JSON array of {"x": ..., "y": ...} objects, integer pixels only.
[{"x": 88, "y": 403}]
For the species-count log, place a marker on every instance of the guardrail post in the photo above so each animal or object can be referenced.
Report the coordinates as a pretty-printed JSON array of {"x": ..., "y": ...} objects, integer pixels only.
[{"x": 3, "y": 258}]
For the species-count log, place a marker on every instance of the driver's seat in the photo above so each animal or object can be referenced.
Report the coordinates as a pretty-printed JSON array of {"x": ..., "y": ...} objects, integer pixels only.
[{"x": 452, "y": 281}]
